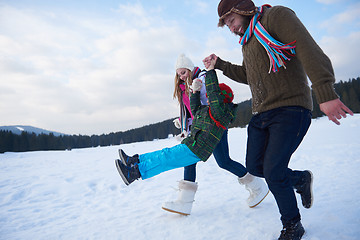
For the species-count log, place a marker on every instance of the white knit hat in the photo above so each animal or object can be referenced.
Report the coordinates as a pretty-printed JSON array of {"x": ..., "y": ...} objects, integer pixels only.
[{"x": 184, "y": 62}]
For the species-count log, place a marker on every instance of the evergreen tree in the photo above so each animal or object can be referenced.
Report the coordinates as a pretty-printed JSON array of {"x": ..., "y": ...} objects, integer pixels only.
[{"x": 349, "y": 93}]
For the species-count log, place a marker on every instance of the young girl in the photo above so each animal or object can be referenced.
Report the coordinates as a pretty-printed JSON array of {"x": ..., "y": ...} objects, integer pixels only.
[
  {"x": 210, "y": 122},
  {"x": 188, "y": 76}
]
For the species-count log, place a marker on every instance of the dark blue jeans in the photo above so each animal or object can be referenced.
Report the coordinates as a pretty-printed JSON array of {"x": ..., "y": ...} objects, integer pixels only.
[
  {"x": 273, "y": 136},
  {"x": 222, "y": 157}
]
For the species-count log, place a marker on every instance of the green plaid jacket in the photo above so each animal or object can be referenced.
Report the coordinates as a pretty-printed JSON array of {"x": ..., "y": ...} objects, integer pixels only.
[{"x": 205, "y": 135}]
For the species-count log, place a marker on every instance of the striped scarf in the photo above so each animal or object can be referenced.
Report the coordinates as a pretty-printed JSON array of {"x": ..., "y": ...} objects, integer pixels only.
[
  {"x": 274, "y": 49},
  {"x": 196, "y": 73}
]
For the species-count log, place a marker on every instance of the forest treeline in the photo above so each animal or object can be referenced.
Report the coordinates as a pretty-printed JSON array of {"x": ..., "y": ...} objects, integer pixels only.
[{"x": 349, "y": 93}]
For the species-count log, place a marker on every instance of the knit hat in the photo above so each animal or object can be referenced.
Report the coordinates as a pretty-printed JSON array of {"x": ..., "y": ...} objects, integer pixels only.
[
  {"x": 241, "y": 7},
  {"x": 227, "y": 92},
  {"x": 184, "y": 62}
]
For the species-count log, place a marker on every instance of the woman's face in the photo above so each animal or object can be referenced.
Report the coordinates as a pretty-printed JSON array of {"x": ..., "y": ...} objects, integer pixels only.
[{"x": 183, "y": 73}]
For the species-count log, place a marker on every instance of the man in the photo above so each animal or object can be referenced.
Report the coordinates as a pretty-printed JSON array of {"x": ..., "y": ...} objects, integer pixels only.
[{"x": 278, "y": 55}]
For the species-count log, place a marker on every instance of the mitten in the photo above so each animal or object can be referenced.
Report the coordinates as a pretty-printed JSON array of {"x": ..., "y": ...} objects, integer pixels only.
[
  {"x": 177, "y": 123},
  {"x": 196, "y": 85}
]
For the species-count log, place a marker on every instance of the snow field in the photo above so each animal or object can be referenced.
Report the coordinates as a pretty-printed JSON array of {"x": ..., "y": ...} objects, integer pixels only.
[{"x": 78, "y": 194}]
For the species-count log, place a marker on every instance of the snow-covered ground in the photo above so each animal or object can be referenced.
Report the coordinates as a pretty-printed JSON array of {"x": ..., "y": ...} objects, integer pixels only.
[{"x": 78, "y": 194}]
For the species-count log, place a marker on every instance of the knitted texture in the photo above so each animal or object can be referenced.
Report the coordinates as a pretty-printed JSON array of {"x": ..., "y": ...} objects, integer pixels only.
[
  {"x": 184, "y": 62},
  {"x": 205, "y": 134},
  {"x": 286, "y": 87},
  {"x": 227, "y": 92},
  {"x": 277, "y": 51}
]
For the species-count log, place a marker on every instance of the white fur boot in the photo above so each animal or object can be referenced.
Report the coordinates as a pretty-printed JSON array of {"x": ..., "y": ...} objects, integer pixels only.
[
  {"x": 185, "y": 199},
  {"x": 257, "y": 188}
]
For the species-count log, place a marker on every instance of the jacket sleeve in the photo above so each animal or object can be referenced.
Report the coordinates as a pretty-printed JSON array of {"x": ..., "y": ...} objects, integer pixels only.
[
  {"x": 195, "y": 102},
  {"x": 286, "y": 27},
  {"x": 232, "y": 71},
  {"x": 216, "y": 99}
]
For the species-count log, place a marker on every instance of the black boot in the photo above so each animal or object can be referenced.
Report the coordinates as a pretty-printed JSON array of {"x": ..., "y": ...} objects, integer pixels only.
[
  {"x": 127, "y": 160},
  {"x": 293, "y": 231},
  {"x": 304, "y": 188},
  {"x": 128, "y": 174}
]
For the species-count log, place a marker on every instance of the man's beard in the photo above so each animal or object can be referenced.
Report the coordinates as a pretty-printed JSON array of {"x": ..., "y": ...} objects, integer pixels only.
[{"x": 244, "y": 27}]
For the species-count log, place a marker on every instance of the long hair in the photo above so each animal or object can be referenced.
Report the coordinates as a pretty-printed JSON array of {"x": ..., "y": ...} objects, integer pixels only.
[{"x": 178, "y": 81}]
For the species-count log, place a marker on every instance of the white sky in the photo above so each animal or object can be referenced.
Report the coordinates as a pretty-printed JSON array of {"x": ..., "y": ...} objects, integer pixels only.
[{"x": 93, "y": 67}]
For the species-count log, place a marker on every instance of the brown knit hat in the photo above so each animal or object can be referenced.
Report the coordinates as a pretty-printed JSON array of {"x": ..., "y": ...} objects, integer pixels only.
[{"x": 241, "y": 7}]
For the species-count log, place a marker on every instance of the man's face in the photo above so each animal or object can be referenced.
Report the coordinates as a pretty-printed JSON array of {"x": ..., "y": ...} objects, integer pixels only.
[{"x": 237, "y": 23}]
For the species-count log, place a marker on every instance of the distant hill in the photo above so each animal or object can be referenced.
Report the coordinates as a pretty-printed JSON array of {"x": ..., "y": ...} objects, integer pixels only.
[{"x": 18, "y": 129}]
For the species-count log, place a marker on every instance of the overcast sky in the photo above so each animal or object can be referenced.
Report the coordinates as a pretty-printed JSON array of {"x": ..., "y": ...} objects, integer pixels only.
[{"x": 93, "y": 67}]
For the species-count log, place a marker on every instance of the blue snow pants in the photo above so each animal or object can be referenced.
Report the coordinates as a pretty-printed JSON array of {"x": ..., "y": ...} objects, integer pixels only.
[
  {"x": 222, "y": 157},
  {"x": 273, "y": 136},
  {"x": 154, "y": 163}
]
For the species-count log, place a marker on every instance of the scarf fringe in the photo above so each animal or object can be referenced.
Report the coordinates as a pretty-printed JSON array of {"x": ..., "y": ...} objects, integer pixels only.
[{"x": 277, "y": 51}]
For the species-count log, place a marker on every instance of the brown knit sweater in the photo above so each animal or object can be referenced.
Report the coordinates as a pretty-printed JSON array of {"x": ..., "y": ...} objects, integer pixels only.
[{"x": 287, "y": 87}]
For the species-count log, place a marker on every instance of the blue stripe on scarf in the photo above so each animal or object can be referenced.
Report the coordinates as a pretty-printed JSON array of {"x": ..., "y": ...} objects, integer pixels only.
[{"x": 276, "y": 50}]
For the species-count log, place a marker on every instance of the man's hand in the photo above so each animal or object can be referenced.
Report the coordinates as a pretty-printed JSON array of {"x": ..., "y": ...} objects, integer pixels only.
[
  {"x": 334, "y": 110},
  {"x": 209, "y": 62}
]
